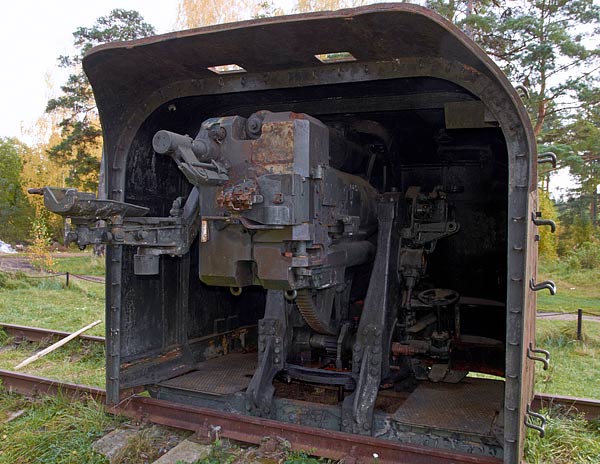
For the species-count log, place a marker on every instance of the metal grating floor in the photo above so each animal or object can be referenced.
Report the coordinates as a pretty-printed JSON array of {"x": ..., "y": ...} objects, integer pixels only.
[
  {"x": 218, "y": 376},
  {"x": 469, "y": 406}
]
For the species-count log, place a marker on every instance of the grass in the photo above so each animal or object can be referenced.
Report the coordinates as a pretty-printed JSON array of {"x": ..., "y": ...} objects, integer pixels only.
[
  {"x": 55, "y": 430},
  {"x": 576, "y": 288},
  {"x": 569, "y": 439},
  {"x": 575, "y": 365},
  {"x": 86, "y": 264},
  {"x": 48, "y": 303},
  {"x": 78, "y": 362},
  {"x": 52, "y": 430}
]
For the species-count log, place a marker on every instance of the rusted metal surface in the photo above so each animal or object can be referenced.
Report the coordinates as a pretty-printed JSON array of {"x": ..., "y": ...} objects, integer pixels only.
[
  {"x": 135, "y": 96},
  {"x": 35, "y": 334},
  {"x": 25, "y": 384},
  {"x": 238, "y": 198},
  {"x": 335, "y": 445},
  {"x": 588, "y": 406},
  {"x": 274, "y": 150}
]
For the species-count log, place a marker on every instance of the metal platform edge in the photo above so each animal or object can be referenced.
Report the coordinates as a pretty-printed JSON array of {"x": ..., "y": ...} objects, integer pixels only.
[{"x": 248, "y": 429}]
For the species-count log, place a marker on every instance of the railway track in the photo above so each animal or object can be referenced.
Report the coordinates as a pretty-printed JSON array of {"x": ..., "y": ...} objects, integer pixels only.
[
  {"x": 206, "y": 422},
  {"x": 35, "y": 334}
]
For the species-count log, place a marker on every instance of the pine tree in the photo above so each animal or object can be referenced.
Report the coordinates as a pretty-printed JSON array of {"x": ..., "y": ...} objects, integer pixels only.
[{"x": 81, "y": 144}]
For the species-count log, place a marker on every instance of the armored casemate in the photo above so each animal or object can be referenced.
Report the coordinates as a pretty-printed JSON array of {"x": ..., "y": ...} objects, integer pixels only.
[{"x": 326, "y": 219}]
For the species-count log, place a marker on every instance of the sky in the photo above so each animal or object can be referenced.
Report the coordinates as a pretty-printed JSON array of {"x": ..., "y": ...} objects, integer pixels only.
[
  {"x": 32, "y": 36},
  {"x": 34, "y": 33}
]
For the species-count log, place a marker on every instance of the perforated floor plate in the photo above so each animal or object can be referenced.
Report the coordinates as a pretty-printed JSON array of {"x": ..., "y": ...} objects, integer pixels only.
[
  {"x": 469, "y": 406},
  {"x": 219, "y": 376}
]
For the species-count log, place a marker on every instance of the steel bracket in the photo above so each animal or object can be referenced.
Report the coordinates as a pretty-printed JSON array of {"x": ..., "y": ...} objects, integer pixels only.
[
  {"x": 546, "y": 284},
  {"x": 371, "y": 350},
  {"x": 547, "y": 157},
  {"x": 540, "y": 428},
  {"x": 543, "y": 222},
  {"x": 522, "y": 91},
  {"x": 272, "y": 353},
  {"x": 545, "y": 360}
]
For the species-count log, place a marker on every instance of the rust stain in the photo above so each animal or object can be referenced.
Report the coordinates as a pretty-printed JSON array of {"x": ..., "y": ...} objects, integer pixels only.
[
  {"x": 471, "y": 69},
  {"x": 274, "y": 150},
  {"x": 163, "y": 357},
  {"x": 237, "y": 198}
]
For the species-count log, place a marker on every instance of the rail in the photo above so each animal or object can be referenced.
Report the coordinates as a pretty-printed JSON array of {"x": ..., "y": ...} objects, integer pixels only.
[
  {"x": 212, "y": 424},
  {"x": 205, "y": 422},
  {"x": 35, "y": 334}
]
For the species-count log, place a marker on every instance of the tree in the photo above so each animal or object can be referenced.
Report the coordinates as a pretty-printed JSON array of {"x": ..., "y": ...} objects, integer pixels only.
[
  {"x": 546, "y": 46},
  {"x": 15, "y": 210},
  {"x": 40, "y": 169},
  {"x": 197, "y": 13},
  {"x": 80, "y": 144},
  {"x": 306, "y": 6},
  {"x": 548, "y": 244}
]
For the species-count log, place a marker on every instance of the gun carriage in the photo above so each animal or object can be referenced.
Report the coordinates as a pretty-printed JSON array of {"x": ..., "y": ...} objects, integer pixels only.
[{"x": 335, "y": 231}]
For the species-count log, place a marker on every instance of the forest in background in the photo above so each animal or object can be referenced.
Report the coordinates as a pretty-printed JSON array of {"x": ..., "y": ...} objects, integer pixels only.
[{"x": 548, "y": 48}]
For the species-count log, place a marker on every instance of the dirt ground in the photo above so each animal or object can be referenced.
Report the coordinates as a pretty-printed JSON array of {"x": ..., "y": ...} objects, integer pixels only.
[
  {"x": 15, "y": 262},
  {"x": 566, "y": 317},
  {"x": 20, "y": 262}
]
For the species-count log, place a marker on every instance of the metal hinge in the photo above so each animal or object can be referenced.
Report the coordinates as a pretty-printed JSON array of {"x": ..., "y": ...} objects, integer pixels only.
[{"x": 545, "y": 360}]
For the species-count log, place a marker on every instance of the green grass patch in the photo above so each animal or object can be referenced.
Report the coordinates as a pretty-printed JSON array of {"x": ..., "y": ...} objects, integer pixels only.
[
  {"x": 53, "y": 430},
  {"x": 576, "y": 288},
  {"x": 86, "y": 264},
  {"x": 575, "y": 365},
  {"x": 569, "y": 439},
  {"x": 49, "y": 303},
  {"x": 77, "y": 362}
]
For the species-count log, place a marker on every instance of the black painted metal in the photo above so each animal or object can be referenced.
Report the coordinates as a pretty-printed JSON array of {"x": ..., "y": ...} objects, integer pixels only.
[{"x": 416, "y": 52}]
